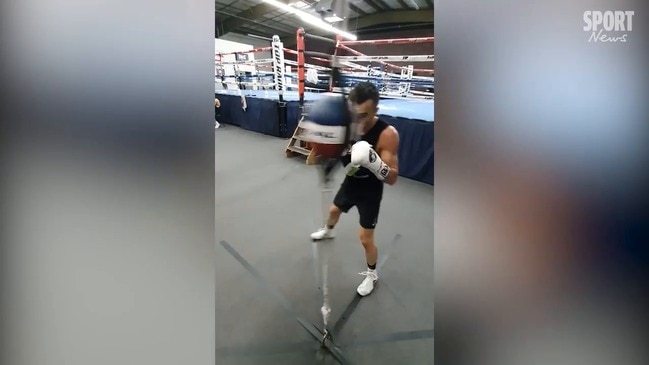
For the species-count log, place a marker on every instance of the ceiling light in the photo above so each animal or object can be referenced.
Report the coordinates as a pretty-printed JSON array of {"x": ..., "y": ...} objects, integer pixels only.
[
  {"x": 260, "y": 37},
  {"x": 299, "y": 4},
  {"x": 333, "y": 19},
  {"x": 414, "y": 4},
  {"x": 310, "y": 19}
]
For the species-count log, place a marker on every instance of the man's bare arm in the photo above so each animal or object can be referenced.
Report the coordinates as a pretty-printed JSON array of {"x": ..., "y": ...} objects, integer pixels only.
[{"x": 388, "y": 145}]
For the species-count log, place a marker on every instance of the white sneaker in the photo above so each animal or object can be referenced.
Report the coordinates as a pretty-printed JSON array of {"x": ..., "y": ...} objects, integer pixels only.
[
  {"x": 217, "y": 125},
  {"x": 366, "y": 287},
  {"x": 322, "y": 233}
]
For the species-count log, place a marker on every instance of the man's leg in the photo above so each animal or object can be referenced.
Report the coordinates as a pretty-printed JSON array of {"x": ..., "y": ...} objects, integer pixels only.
[
  {"x": 371, "y": 252},
  {"x": 341, "y": 204},
  {"x": 328, "y": 230},
  {"x": 369, "y": 213}
]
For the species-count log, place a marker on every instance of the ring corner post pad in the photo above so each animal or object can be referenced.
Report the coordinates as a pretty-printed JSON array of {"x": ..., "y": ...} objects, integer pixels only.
[{"x": 279, "y": 76}]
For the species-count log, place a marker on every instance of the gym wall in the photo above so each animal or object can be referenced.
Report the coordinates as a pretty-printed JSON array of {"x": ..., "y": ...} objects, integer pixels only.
[{"x": 254, "y": 42}]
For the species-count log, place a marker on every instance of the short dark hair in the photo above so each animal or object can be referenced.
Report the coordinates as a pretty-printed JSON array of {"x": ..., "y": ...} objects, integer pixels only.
[{"x": 364, "y": 91}]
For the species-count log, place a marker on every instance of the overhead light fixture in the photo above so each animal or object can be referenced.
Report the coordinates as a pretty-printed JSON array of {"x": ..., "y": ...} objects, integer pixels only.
[
  {"x": 260, "y": 37},
  {"x": 333, "y": 19},
  {"x": 310, "y": 19},
  {"x": 299, "y": 4},
  {"x": 414, "y": 4}
]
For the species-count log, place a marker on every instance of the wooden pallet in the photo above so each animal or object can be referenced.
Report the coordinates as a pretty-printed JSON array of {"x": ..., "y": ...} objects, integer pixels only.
[{"x": 298, "y": 145}]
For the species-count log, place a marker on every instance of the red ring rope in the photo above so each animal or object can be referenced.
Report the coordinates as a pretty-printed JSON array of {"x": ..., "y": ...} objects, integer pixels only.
[
  {"x": 420, "y": 70},
  {"x": 248, "y": 51}
]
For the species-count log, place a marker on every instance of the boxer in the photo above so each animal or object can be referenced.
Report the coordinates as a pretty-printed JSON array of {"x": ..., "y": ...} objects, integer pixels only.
[
  {"x": 217, "y": 105},
  {"x": 370, "y": 163}
]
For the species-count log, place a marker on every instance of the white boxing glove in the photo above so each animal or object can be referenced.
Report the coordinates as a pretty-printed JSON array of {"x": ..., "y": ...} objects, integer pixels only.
[{"x": 364, "y": 155}]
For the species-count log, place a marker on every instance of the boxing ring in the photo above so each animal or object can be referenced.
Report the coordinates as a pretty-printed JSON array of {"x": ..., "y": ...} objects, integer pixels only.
[{"x": 274, "y": 108}]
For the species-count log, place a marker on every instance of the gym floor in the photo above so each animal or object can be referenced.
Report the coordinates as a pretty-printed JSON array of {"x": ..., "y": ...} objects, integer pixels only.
[{"x": 267, "y": 285}]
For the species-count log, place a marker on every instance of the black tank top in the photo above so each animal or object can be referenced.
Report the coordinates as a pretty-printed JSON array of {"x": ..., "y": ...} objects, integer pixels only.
[{"x": 364, "y": 179}]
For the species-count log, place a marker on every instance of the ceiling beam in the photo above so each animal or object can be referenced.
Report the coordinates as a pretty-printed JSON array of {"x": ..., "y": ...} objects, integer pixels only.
[
  {"x": 251, "y": 15},
  {"x": 380, "y": 17},
  {"x": 383, "y": 5},
  {"x": 223, "y": 7},
  {"x": 394, "y": 16},
  {"x": 358, "y": 10},
  {"x": 386, "y": 17},
  {"x": 245, "y": 16},
  {"x": 404, "y": 5},
  {"x": 221, "y": 30},
  {"x": 373, "y": 4}
]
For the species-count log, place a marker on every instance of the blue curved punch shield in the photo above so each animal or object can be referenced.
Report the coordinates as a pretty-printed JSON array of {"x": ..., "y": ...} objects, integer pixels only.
[{"x": 326, "y": 125}]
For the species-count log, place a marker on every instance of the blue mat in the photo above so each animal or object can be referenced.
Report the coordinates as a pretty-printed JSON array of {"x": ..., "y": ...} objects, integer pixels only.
[{"x": 413, "y": 119}]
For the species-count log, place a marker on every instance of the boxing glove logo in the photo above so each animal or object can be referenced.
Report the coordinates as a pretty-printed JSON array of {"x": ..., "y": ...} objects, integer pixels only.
[
  {"x": 323, "y": 134},
  {"x": 372, "y": 156},
  {"x": 385, "y": 170}
]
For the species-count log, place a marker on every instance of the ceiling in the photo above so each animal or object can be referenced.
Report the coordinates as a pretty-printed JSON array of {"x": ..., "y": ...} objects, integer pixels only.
[{"x": 260, "y": 18}]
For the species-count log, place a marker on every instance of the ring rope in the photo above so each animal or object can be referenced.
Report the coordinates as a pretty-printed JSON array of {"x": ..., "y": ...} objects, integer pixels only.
[{"x": 392, "y": 84}]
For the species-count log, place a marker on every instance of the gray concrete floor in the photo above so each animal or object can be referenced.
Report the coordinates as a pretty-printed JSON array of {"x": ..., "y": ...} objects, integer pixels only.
[{"x": 266, "y": 207}]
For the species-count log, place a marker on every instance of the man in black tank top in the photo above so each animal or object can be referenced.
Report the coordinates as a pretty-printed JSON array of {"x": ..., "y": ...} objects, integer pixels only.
[{"x": 370, "y": 163}]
